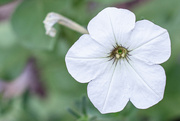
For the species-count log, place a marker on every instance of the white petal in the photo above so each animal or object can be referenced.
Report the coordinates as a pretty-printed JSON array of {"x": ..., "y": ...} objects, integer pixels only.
[
  {"x": 109, "y": 92},
  {"x": 149, "y": 83},
  {"x": 110, "y": 25},
  {"x": 150, "y": 43},
  {"x": 86, "y": 59}
]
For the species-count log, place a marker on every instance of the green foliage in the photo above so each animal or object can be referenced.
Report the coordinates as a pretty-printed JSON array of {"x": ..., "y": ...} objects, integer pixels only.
[
  {"x": 2, "y": 2},
  {"x": 29, "y": 28},
  {"x": 7, "y": 35},
  {"x": 24, "y": 37}
]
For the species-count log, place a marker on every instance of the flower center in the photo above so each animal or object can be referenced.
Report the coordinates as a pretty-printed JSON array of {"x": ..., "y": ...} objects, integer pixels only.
[{"x": 118, "y": 53}]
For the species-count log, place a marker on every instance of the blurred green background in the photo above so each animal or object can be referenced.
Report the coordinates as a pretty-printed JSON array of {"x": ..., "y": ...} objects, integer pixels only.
[{"x": 57, "y": 96}]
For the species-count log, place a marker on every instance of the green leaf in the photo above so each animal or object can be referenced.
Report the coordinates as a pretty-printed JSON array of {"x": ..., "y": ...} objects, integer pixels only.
[
  {"x": 12, "y": 62},
  {"x": 27, "y": 22},
  {"x": 4, "y": 1},
  {"x": 7, "y": 36}
]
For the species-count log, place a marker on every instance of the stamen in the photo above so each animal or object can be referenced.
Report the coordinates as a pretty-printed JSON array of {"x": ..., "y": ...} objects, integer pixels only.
[{"x": 119, "y": 52}]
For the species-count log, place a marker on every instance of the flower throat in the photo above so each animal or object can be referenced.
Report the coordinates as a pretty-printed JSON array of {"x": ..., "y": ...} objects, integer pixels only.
[{"x": 118, "y": 52}]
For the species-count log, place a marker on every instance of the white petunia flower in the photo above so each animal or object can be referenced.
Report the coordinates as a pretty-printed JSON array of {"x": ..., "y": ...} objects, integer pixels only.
[{"x": 119, "y": 58}]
